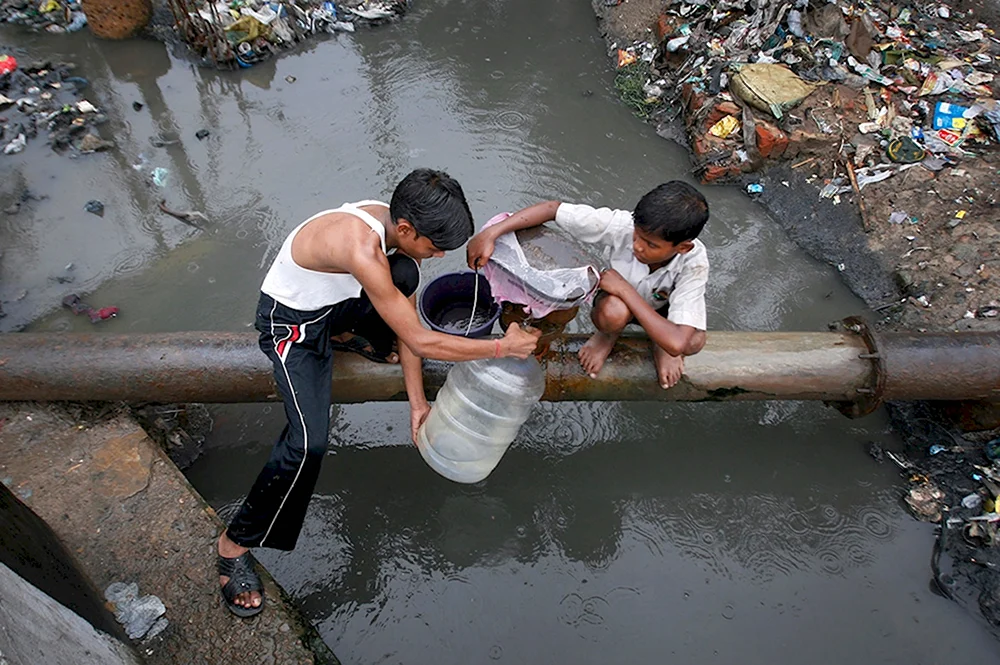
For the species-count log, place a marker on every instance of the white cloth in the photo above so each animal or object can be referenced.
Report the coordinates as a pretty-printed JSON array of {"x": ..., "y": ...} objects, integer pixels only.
[
  {"x": 308, "y": 290},
  {"x": 513, "y": 279},
  {"x": 681, "y": 282}
]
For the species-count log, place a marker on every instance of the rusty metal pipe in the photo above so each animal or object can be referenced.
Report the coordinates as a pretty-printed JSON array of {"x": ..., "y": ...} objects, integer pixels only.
[
  {"x": 941, "y": 367},
  {"x": 228, "y": 367}
]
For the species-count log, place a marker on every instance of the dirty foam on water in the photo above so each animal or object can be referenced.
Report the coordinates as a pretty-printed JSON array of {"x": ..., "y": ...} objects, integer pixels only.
[{"x": 610, "y": 532}]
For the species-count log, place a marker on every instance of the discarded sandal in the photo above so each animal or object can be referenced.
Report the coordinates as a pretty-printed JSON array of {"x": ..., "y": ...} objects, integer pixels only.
[
  {"x": 362, "y": 347},
  {"x": 242, "y": 579}
]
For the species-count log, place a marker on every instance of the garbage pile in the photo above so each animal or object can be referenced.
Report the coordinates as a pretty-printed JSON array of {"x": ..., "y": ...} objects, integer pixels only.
[
  {"x": 953, "y": 480},
  {"x": 47, "y": 97},
  {"x": 245, "y": 32},
  {"x": 880, "y": 88},
  {"x": 53, "y": 16}
]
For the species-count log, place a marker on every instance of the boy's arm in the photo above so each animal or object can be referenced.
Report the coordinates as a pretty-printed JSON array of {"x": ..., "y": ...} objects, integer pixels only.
[
  {"x": 669, "y": 336},
  {"x": 598, "y": 226},
  {"x": 371, "y": 269},
  {"x": 480, "y": 248},
  {"x": 413, "y": 378}
]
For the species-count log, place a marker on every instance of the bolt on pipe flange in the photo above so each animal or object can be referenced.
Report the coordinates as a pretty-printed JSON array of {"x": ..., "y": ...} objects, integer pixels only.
[{"x": 868, "y": 398}]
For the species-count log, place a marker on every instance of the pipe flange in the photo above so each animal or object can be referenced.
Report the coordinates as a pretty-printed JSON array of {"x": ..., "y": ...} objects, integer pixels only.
[{"x": 869, "y": 398}]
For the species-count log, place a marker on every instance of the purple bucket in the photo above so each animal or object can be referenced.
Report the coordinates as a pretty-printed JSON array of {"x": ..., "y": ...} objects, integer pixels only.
[{"x": 446, "y": 304}]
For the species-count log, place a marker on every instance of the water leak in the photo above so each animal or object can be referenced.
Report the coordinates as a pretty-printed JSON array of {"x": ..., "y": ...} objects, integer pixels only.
[{"x": 610, "y": 532}]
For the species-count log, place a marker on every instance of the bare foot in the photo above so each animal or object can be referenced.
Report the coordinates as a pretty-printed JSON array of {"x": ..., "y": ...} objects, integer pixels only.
[
  {"x": 231, "y": 550},
  {"x": 595, "y": 352},
  {"x": 669, "y": 369}
]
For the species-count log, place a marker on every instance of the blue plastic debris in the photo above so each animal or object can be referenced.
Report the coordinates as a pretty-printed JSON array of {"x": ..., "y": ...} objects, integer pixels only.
[
  {"x": 937, "y": 448},
  {"x": 160, "y": 175}
]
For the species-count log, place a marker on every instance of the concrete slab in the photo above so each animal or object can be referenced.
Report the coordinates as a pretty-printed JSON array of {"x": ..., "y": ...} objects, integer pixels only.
[{"x": 119, "y": 504}]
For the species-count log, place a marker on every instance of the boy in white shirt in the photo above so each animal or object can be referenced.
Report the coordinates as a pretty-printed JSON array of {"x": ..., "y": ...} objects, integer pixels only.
[{"x": 658, "y": 272}]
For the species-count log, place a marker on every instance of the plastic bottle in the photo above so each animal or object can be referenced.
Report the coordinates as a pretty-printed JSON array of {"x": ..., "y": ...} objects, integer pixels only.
[{"x": 477, "y": 414}]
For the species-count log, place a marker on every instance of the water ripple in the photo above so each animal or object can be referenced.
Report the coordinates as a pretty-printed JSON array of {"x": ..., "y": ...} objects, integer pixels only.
[
  {"x": 127, "y": 261},
  {"x": 771, "y": 536},
  {"x": 510, "y": 119},
  {"x": 555, "y": 430}
]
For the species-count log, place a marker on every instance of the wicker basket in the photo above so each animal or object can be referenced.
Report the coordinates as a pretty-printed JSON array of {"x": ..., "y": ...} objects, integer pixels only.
[{"x": 117, "y": 19}]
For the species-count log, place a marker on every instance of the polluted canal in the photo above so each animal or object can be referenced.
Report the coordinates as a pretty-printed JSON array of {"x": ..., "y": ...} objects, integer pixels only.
[{"x": 609, "y": 532}]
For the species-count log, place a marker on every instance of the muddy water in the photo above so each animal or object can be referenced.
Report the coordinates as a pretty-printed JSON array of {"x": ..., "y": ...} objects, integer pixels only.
[{"x": 610, "y": 532}]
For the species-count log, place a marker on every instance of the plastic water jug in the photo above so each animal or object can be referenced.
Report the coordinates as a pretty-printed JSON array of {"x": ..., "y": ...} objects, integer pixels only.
[{"x": 477, "y": 414}]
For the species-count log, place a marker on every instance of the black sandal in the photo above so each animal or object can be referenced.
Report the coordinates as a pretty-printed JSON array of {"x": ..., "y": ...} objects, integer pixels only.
[
  {"x": 362, "y": 347},
  {"x": 242, "y": 579}
]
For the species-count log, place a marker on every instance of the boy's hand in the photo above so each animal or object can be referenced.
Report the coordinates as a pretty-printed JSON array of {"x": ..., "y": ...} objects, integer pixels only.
[
  {"x": 613, "y": 283},
  {"x": 418, "y": 414},
  {"x": 480, "y": 249},
  {"x": 518, "y": 342}
]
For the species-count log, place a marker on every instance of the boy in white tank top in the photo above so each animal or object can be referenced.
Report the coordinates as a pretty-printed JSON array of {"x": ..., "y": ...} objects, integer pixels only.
[{"x": 336, "y": 277}]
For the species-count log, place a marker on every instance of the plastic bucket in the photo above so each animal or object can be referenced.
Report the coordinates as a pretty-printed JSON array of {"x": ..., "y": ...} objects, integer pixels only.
[{"x": 446, "y": 304}]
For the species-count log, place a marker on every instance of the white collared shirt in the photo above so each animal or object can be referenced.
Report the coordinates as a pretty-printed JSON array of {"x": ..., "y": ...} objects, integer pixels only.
[{"x": 681, "y": 282}]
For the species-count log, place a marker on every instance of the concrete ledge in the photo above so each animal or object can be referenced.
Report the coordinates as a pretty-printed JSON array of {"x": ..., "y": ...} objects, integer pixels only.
[{"x": 119, "y": 504}]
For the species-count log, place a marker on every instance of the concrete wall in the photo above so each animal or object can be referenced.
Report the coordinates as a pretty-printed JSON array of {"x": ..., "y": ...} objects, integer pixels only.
[
  {"x": 33, "y": 551},
  {"x": 36, "y": 629},
  {"x": 49, "y": 611}
]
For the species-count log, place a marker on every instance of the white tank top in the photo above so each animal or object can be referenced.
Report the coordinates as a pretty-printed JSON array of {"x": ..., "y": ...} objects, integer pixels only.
[{"x": 307, "y": 290}]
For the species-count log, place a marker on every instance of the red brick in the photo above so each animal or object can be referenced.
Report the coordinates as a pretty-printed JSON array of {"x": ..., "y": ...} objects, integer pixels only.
[
  {"x": 720, "y": 111},
  {"x": 771, "y": 141},
  {"x": 705, "y": 145},
  {"x": 686, "y": 91},
  {"x": 692, "y": 97},
  {"x": 714, "y": 172},
  {"x": 665, "y": 26},
  {"x": 714, "y": 116},
  {"x": 700, "y": 147},
  {"x": 730, "y": 108}
]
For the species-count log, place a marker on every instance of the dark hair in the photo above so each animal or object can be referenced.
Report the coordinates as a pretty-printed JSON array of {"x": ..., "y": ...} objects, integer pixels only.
[
  {"x": 674, "y": 211},
  {"x": 434, "y": 203}
]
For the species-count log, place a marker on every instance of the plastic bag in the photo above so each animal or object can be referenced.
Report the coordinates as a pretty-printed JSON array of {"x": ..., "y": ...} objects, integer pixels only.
[{"x": 541, "y": 292}]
